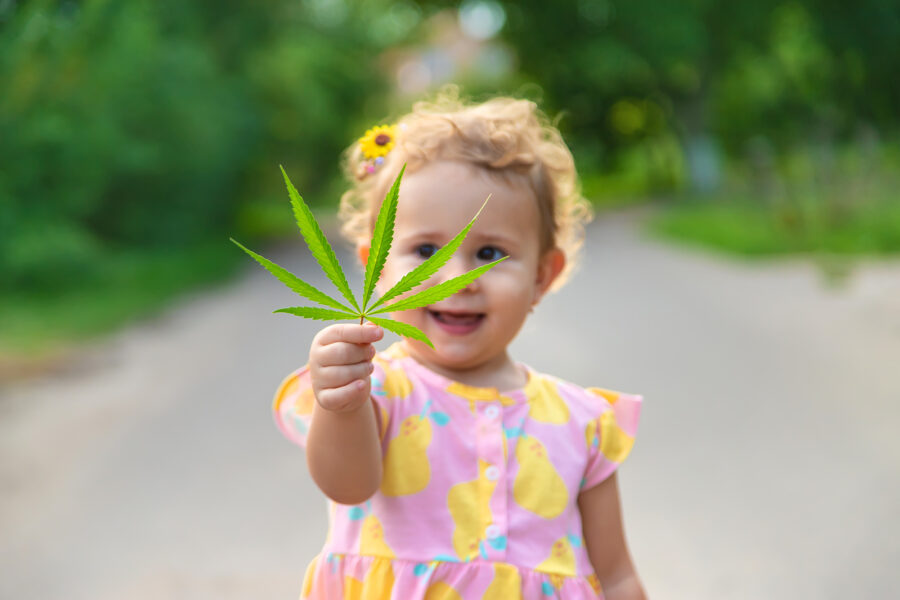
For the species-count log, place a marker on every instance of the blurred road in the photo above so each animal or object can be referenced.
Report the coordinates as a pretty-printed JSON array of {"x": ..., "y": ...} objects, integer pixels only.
[{"x": 766, "y": 464}]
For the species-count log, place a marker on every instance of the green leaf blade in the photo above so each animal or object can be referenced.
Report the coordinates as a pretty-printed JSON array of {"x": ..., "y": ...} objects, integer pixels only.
[
  {"x": 382, "y": 238},
  {"x": 320, "y": 314},
  {"x": 292, "y": 281},
  {"x": 402, "y": 329},
  {"x": 318, "y": 243},
  {"x": 430, "y": 266},
  {"x": 438, "y": 292}
]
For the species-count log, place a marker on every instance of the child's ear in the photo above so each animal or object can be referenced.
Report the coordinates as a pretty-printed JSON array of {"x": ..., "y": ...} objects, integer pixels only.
[
  {"x": 550, "y": 265},
  {"x": 362, "y": 252}
]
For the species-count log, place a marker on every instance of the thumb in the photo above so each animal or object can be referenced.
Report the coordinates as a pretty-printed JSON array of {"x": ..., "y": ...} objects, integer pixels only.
[{"x": 378, "y": 332}]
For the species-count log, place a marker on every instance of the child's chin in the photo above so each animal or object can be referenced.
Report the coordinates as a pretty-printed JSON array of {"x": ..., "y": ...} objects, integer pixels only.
[{"x": 454, "y": 355}]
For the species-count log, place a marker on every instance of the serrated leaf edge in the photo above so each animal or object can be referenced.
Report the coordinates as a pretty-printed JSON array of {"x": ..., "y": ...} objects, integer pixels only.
[
  {"x": 292, "y": 281},
  {"x": 317, "y": 242},
  {"x": 402, "y": 329},
  {"x": 319, "y": 314},
  {"x": 382, "y": 238},
  {"x": 431, "y": 265},
  {"x": 438, "y": 292}
]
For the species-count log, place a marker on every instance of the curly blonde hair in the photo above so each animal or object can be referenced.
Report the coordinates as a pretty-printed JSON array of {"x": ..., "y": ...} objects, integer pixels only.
[{"x": 511, "y": 139}]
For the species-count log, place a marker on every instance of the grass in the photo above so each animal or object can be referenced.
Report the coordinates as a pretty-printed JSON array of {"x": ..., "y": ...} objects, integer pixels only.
[
  {"x": 743, "y": 227},
  {"x": 835, "y": 237},
  {"x": 751, "y": 228},
  {"x": 847, "y": 207},
  {"x": 131, "y": 285}
]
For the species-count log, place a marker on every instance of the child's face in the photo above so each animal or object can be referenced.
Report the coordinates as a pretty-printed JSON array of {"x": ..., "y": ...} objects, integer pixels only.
[{"x": 472, "y": 328}]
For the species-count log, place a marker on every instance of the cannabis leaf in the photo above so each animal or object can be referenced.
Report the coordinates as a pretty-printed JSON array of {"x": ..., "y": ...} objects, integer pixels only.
[
  {"x": 382, "y": 237},
  {"x": 317, "y": 242},
  {"x": 430, "y": 266},
  {"x": 380, "y": 246}
]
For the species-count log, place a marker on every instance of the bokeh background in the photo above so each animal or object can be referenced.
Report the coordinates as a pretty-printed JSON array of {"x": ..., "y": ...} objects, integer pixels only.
[
  {"x": 136, "y": 135},
  {"x": 744, "y": 161}
]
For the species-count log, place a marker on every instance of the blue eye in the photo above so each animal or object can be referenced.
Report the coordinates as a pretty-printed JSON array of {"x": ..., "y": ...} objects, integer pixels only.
[
  {"x": 490, "y": 253},
  {"x": 426, "y": 250}
]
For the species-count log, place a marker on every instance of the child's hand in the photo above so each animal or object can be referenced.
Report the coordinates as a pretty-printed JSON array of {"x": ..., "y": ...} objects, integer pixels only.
[{"x": 340, "y": 361}]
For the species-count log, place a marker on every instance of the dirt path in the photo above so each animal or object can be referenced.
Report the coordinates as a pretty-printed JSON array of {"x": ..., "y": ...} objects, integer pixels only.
[{"x": 766, "y": 464}]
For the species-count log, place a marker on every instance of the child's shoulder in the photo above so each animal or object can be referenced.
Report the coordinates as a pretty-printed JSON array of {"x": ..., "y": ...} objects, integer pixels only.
[
  {"x": 590, "y": 400},
  {"x": 608, "y": 418}
]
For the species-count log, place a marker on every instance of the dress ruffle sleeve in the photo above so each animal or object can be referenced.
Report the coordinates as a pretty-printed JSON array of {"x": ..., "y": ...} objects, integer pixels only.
[
  {"x": 294, "y": 401},
  {"x": 610, "y": 435}
]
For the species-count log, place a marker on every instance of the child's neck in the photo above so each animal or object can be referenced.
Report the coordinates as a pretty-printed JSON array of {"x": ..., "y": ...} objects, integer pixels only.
[{"x": 500, "y": 372}]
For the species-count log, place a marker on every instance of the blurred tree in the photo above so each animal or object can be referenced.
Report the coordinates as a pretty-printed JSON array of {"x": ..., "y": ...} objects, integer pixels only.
[
  {"x": 155, "y": 124},
  {"x": 142, "y": 124},
  {"x": 628, "y": 72},
  {"x": 112, "y": 134},
  {"x": 864, "y": 39},
  {"x": 629, "y": 75}
]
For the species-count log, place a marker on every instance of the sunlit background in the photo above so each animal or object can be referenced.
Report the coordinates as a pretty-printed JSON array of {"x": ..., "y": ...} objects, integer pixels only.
[{"x": 137, "y": 136}]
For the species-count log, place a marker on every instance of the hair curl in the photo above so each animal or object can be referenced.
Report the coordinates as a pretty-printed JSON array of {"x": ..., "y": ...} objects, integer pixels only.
[{"x": 511, "y": 139}]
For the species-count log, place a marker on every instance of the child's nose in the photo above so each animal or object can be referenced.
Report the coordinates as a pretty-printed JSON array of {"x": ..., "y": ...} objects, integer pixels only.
[{"x": 456, "y": 267}]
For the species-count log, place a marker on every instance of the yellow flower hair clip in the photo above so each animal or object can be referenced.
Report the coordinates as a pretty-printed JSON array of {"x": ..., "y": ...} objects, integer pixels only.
[{"x": 375, "y": 145}]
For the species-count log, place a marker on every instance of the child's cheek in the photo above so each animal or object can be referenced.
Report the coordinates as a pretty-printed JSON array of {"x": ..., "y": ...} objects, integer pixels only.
[
  {"x": 410, "y": 317},
  {"x": 393, "y": 270}
]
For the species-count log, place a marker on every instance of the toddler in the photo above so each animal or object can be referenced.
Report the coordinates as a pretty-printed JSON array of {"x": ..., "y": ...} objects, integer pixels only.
[{"x": 455, "y": 472}]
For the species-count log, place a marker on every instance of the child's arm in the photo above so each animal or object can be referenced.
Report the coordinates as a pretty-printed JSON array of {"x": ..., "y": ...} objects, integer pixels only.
[
  {"x": 601, "y": 517},
  {"x": 343, "y": 450}
]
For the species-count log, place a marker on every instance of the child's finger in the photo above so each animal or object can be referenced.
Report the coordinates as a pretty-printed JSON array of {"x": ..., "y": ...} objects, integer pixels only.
[
  {"x": 342, "y": 353},
  {"x": 344, "y": 398},
  {"x": 340, "y": 375},
  {"x": 350, "y": 333}
]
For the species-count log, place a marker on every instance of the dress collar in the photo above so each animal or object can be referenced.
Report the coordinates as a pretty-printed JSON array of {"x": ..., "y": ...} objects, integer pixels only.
[{"x": 469, "y": 392}]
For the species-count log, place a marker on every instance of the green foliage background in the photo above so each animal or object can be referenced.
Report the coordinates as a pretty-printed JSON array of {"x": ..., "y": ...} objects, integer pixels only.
[
  {"x": 137, "y": 124},
  {"x": 136, "y": 136}
]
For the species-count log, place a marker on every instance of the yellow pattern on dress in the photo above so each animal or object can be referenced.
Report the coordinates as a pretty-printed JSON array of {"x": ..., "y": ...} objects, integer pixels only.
[
  {"x": 544, "y": 402},
  {"x": 406, "y": 467},
  {"x": 395, "y": 351},
  {"x": 538, "y": 487},
  {"x": 609, "y": 395},
  {"x": 470, "y": 508},
  {"x": 305, "y": 402},
  {"x": 561, "y": 560},
  {"x": 352, "y": 588},
  {"x": 309, "y": 578},
  {"x": 289, "y": 389},
  {"x": 595, "y": 583},
  {"x": 371, "y": 539},
  {"x": 377, "y": 585},
  {"x": 478, "y": 394},
  {"x": 441, "y": 591},
  {"x": 396, "y": 383},
  {"x": 590, "y": 434},
  {"x": 506, "y": 584},
  {"x": 615, "y": 444},
  {"x": 303, "y": 398}
]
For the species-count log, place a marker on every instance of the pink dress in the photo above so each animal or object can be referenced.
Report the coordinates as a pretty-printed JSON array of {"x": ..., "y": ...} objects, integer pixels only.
[{"x": 478, "y": 498}]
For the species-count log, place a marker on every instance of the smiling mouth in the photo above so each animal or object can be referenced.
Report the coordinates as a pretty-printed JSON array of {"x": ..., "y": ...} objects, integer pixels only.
[{"x": 457, "y": 322}]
